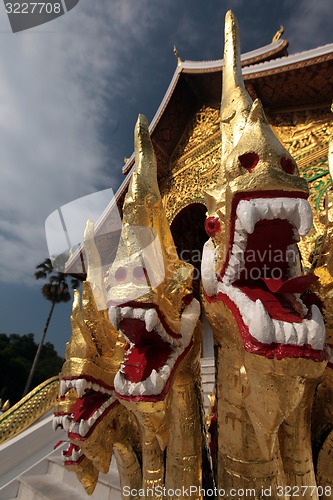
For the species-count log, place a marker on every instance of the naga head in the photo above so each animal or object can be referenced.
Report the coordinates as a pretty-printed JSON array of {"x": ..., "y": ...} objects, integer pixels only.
[
  {"x": 256, "y": 215},
  {"x": 149, "y": 289},
  {"x": 87, "y": 406}
]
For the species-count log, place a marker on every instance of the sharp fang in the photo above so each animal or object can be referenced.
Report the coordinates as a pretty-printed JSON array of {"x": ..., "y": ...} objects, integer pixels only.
[
  {"x": 261, "y": 325},
  {"x": 84, "y": 428},
  {"x": 306, "y": 218},
  {"x": 118, "y": 382},
  {"x": 142, "y": 388},
  {"x": 139, "y": 313},
  {"x": 66, "y": 423},
  {"x": 80, "y": 386},
  {"x": 290, "y": 333},
  {"x": 279, "y": 332},
  {"x": 302, "y": 332},
  {"x": 63, "y": 388},
  {"x": 126, "y": 312},
  {"x": 157, "y": 381},
  {"x": 151, "y": 319},
  {"x": 247, "y": 216},
  {"x": 316, "y": 335}
]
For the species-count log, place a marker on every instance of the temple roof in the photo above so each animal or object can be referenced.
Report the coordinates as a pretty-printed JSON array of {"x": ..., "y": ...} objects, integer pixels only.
[{"x": 283, "y": 83}]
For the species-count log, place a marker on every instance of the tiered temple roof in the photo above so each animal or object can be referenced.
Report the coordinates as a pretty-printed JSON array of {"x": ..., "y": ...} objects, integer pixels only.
[{"x": 284, "y": 83}]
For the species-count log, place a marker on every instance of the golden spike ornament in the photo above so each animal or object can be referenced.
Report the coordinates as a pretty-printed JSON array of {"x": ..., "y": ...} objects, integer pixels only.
[{"x": 163, "y": 316}]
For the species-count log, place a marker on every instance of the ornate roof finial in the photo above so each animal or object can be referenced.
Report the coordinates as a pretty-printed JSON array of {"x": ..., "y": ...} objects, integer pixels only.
[
  {"x": 175, "y": 51},
  {"x": 278, "y": 34},
  {"x": 236, "y": 102}
]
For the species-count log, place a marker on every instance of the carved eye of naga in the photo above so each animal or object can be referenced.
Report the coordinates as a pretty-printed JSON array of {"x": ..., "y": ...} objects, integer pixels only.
[
  {"x": 249, "y": 160},
  {"x": 287, "y": 165},
  {"x": 140, "y": 273},
  {"x": 120, "y": 274}
]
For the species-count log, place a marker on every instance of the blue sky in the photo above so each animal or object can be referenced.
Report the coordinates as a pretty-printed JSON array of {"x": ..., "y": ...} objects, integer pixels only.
[{"x": 70, "y": 93}]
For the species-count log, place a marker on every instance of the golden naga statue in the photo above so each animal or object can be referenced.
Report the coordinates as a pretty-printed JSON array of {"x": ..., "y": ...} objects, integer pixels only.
[{"x": 131, "y": 383}]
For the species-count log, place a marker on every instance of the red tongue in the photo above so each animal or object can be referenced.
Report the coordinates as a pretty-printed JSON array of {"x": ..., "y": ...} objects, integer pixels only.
[
  {"x": 293, "y": 285},
  {"x": 85, "y": 407}
]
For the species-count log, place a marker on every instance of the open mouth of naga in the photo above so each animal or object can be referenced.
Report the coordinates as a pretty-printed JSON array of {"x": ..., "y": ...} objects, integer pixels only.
[
  {"x": 93, "y": 402},
  {"x": 261, "y": 280},
  {"x": 153, "y": 350}
]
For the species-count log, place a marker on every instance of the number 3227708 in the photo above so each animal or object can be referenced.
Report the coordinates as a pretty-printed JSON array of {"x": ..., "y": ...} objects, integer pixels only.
[{"x": 33, "y": 7}]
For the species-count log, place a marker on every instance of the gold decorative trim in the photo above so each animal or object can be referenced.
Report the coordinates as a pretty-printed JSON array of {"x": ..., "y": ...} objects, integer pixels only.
[{"x": 29, "y": 409}]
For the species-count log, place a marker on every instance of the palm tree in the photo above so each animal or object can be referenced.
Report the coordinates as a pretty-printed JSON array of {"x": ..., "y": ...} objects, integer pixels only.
[{"x": 56, "y": 290}]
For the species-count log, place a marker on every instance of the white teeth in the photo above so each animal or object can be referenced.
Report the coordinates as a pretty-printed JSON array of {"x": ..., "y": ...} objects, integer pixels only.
[
  {"x": 131, "y": 388},
  {"x": 80, "y": 387},
  {"x": 279, "y": 331},
  {"x": 261, "y": 325},
  {"x": 55, "y": 423},
  {"x": 118, "y": 382},
  {"x": 316, "y": 327},
  {"x": 151, "y": 319},
  {"x": 246, "y": 213},
  {"x": 240, "y": 238},
  {"x": 126, "y": 312},
  {"x": 290, "y": 333},
  {"x": 66, "y": 423},
  {"x": 268, "y": 330},
  {"x": 76, "y": 455},
  {"x": 139, "y": 313},
  {"x": 114, "y": 316},
  {"x": 63, "y": 388},
  {"x": 165, "y": 372},
  {"x": 83, "y": 428},
  {"x": 301, "y": 332},
  {"x": 296, "y": 210},
  {"x": 305, "y": 213},
  {"x": 189, "y": 319},
  {"x": 209, "y": 280},
  {"x": 142, "y": 388},
  {"x": 296, "y": 235},
  {"x": 157, "y": 381}
]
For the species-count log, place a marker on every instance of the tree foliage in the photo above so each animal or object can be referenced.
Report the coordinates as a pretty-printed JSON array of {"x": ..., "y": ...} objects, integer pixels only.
[{"x": 16, "y": 356}]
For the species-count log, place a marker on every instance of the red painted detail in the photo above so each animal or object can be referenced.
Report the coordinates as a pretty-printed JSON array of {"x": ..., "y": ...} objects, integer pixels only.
[
  {"x": 212, "y": 226},
  {"x": 86, "y": 406},
  {"x": 120, "y": 274},
  {"x": 270, "y": 351},
  {"x": 59, "y": 443},
  {"x": 188, "y": 299},
  {"x": 161, "y": 396},
  {"x": 71, "y": 462},
  {"x": 72, "y": 447},
  {"x": 77, "y": 437},
  {"x": 287, "y": 165},
  {"x": 249, "y": 196},
  {"x": 150, "y": 351},
  {"x": 294, "y": 285},
  {"x": 266, "y": 272},
  {"x": 249, "y": 160}
]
